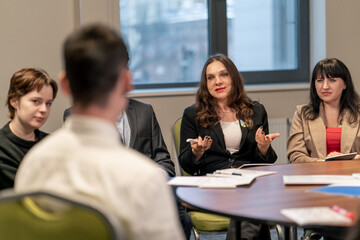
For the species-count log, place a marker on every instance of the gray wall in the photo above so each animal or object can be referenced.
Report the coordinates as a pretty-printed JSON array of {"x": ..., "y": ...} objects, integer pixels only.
[{"x": 32, "y": 32}]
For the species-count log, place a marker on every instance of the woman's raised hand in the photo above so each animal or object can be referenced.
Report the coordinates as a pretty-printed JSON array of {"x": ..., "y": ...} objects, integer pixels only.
[
  {"x": 263, "y": 141},
  {"x": 198, "y": 148}
]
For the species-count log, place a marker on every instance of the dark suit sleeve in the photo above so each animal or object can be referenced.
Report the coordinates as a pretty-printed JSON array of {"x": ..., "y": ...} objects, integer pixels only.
[
  {"x": 271, "y": 155},
  {"x": 188, "y": 130},
  {"x": 160, "y": 153}
]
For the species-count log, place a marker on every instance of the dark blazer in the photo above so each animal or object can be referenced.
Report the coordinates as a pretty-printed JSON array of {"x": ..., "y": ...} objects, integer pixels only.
[
  {"x": 217, "y": 157},
  {"x": 146, "y": 136}
]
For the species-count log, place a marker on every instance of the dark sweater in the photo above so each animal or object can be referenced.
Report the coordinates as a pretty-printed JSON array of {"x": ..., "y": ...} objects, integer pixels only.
[{"x": 12, "y": 151}]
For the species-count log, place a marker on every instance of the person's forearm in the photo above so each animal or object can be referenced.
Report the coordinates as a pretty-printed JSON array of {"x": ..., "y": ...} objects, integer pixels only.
[
  {"x": 263, "y": 149},
  {"x": 197, "y": 155}
]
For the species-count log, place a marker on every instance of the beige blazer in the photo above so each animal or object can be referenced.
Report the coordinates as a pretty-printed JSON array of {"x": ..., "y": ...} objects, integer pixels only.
[{"x": 307, "y": 140}]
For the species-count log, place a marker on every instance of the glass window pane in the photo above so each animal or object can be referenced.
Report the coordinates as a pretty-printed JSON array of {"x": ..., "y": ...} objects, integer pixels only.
[
  {"x": 168, "y": 39},
  {"x": 262, "y": 35}
]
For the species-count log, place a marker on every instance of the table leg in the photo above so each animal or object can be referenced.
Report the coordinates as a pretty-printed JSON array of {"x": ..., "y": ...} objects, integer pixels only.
[
  {"x": 237, "y": 229},
  {"x": 290, "y": 233}
]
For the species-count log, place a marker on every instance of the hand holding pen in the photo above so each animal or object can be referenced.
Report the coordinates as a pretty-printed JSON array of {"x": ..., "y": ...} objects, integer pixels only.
[{"x": 199, "y": 146}]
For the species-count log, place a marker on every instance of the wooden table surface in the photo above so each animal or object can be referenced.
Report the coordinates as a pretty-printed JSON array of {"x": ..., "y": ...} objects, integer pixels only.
[{"x": 267, "y": 195}]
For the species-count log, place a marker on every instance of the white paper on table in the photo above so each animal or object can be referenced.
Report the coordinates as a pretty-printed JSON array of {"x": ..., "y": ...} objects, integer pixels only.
[
  {"x": 210, "y": 182},
  {"x": 316, "y": 216},
  {"x": 244, "y": 172},
  {"x": 316, "y": 179}
]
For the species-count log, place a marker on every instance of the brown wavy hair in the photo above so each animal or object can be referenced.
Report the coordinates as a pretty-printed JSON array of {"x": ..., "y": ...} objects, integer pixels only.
[
  {"x": 26, "y": 80},
  {"x": 207, "y": 106}
]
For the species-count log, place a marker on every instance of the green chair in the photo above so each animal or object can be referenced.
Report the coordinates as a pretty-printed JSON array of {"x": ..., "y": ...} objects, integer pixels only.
[
  {"x": 204, "y": 223},
  {"x": 21, "y": 217}
]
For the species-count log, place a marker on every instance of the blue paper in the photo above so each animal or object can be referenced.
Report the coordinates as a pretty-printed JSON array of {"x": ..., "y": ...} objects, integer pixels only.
[{"x": 353, "y": 191}]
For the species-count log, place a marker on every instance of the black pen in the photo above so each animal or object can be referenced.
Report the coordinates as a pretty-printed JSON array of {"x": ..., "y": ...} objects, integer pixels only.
[{"x": 237, "y": 174}]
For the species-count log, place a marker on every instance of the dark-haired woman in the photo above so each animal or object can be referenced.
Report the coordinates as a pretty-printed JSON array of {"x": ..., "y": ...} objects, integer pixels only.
[
  {"x": 329, "y": 124},
  {"x": 29, "y": 100},
  {"x": 230, "y": 129}
]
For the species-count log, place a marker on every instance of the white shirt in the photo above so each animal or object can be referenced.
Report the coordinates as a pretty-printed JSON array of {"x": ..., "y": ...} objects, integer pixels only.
[
  {"x": 123, "y": 126},
  {"x": 232, "y": 135},
  {"x": 86, "y": 159}
]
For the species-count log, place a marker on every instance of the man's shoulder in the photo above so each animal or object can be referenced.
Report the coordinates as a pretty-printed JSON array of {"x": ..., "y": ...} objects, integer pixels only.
[
  {"x": 132, "y": 159},
  {"x": 137, "y": 104},
  {"x": 64, "y": 147},
  {"x": 53, "y": 142}
]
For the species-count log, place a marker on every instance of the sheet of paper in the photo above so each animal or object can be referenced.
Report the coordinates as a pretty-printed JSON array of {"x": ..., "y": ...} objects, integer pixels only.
[
  {"x": 316, "y": 216},
  {"x": 210, "y": 182},
  {"x": 316, "y": 179},
  {"x": 244, "y": 172}
]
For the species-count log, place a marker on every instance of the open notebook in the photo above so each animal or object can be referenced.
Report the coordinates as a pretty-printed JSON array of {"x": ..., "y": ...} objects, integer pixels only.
[{"x": 225, "y": 178}]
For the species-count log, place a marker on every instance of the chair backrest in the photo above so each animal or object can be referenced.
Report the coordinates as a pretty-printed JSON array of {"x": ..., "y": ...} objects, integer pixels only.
[
  {"x": 176, "y": 135},
  {"x": 21, "y": 217}
]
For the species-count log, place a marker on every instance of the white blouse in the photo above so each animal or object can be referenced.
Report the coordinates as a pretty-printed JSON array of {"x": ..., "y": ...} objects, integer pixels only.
[{"x": 232, "y": 135}]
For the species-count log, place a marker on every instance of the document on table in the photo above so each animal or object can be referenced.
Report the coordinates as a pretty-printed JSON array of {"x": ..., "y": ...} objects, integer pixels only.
[
  {"x": 344, "y": 189},
  {"x": 243, "y": 172},
  {"x": 316, "y": 216},
  {"x": 316, "y": 179},
  {"x": 346, "y": 156},
  {"x": 210, "y": 182},
  {"x": 352, "y": 191}
]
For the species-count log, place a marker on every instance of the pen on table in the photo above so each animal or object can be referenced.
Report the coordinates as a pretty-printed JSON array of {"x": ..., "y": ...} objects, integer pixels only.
[
  {"x": 234, "y": 173},
  {"x": 343, "y": 212},
  {"x": 225, "y": 173},
  {"x": 221, "y": 175}
]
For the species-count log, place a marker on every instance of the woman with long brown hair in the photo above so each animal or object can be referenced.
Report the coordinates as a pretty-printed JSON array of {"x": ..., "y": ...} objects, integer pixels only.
[
  {"x": 227, "y": 128},
  {"x": 230, "y": 129}
]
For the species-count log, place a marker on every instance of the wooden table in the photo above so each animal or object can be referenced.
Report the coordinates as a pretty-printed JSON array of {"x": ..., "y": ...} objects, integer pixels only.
[{"x": 267, "y": 195}]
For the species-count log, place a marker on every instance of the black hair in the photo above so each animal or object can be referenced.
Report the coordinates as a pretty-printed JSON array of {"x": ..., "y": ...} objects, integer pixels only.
[{"x": 94, "y": 56}]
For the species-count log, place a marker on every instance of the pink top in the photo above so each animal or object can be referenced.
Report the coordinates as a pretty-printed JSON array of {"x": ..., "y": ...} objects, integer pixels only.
[{"x": 333, "y": 139}]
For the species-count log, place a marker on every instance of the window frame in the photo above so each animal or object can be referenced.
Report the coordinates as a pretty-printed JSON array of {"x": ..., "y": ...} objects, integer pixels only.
[{"x": 218, "y": 43}]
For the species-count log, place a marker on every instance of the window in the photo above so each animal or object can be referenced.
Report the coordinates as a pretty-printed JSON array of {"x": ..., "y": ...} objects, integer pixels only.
[{"x": 170, "y": 40}]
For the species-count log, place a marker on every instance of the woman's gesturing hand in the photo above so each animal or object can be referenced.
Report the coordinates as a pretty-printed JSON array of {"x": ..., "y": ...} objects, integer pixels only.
[
  {"x": 198, "y": 148},
  {"x": 264, "y": 141}
]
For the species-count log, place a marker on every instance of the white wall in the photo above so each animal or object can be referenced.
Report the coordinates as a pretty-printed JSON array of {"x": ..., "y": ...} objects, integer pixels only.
[
  {"x": 31, "y": 35},
  {"x": 343, "y": 34}
]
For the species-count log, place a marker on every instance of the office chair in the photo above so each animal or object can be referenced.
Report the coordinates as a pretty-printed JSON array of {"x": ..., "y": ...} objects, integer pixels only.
[
  {"x": 21, "y": 217},
  {"x": 203, "y": 223}
]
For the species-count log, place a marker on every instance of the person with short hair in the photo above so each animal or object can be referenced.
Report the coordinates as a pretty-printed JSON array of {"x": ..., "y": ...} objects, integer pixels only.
[
  {"x": 85, "y": 158},
  {"x": 140, "y": 130},
  {"x": 29, "y": 100}
]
